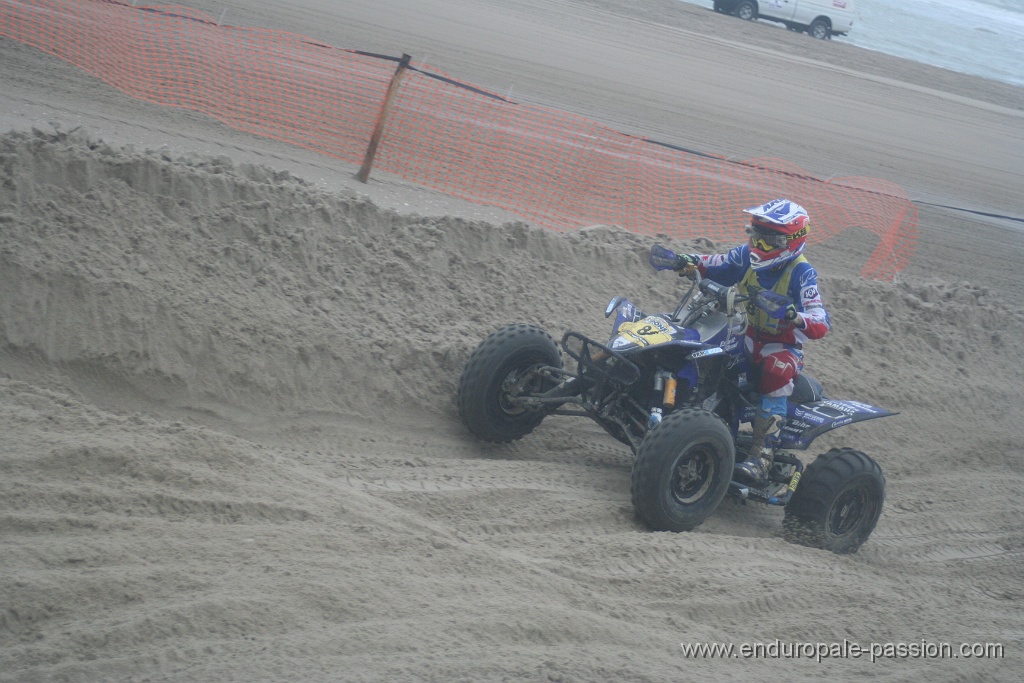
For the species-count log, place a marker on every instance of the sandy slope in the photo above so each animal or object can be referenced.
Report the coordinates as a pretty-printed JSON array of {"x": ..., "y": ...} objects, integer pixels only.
[{"x": 229, "y": 447}]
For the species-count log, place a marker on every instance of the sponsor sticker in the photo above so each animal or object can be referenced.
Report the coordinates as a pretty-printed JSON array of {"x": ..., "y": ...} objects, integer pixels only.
[
  {"x": 647, "y": 331},
  {"x": 818, "y": 414},
  {"x": 809, "y": 278},
  {"x": 851, "y": 407},
  {"x": 659, "y": 323}
]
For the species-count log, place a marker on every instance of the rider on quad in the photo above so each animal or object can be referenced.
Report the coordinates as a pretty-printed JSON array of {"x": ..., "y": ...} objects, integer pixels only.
[{"x": 772, "y": 259}]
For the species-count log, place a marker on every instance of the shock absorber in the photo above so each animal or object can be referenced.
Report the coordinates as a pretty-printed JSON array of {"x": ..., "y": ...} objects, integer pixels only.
[
  {"x": 668, "y": 400},
  {"x": 664, "y": 396}
]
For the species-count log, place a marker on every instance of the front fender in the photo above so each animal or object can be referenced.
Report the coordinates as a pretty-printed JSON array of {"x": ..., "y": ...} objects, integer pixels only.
[{"x": 625, "y": 312}]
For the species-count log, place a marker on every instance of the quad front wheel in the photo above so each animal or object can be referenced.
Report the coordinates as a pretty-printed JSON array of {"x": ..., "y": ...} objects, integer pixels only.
[
  {"x": 503, "y": 368},
  {"x": 837, "y": 502},
  {"x": 682, "y": 470}
]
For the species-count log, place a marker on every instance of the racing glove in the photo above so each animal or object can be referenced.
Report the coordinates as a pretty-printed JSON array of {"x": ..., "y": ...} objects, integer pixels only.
[
  {"x": 792, "y": 315},
  {"x": 686, "y": 264}
]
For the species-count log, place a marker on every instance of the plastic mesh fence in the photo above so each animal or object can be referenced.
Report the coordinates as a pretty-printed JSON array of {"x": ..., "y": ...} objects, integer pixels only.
[{"x": 551, "y": 167}]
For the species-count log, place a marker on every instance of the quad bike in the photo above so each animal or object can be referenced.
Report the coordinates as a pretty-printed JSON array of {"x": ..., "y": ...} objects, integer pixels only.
[{"x": 675, "y": 387}]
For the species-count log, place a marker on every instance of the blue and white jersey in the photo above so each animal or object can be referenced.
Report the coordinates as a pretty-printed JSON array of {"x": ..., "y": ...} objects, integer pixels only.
[{"x": 730, "y": 268}]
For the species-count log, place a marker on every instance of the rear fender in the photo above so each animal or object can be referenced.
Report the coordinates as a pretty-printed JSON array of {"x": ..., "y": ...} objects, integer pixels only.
[{"x": 808, "y": 421}]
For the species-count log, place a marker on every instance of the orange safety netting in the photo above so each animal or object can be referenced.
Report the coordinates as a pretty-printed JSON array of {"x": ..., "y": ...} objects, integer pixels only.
[{"x": 554, "y": 168}]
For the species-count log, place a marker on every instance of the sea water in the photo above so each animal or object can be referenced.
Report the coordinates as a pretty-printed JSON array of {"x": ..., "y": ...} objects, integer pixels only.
[{"x": 978, "y": 37}]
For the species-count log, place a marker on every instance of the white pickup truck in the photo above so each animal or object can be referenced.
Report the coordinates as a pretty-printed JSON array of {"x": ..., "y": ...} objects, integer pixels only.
[{"x": 820, "y": 18}]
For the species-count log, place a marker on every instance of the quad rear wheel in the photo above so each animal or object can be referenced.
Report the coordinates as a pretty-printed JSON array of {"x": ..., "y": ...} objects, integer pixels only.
[
  {"x": 682, "y": 470},
  {"x": 837, "y": 502},
  {"x": 501, "y": 369}
]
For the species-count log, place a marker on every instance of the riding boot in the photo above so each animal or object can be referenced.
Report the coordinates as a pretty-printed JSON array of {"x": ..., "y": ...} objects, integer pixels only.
[{"x": 754, "y": 470}]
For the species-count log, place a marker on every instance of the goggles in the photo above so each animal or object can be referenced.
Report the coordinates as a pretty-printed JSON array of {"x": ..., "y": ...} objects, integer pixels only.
[{"x": 766, "y": 240}]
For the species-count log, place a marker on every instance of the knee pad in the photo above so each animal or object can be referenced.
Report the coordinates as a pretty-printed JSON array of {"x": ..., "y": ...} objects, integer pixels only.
[{"x": 777, "y": 374}]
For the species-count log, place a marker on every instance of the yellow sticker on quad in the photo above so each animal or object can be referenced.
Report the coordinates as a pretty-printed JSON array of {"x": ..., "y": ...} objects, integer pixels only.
[{"x": 650, "y": 331}]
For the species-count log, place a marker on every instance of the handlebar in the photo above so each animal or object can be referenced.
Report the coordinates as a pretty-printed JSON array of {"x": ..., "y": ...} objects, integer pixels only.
[
  {"x": 712, "y": 288},
  {"x": 773, "y": 304}
]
